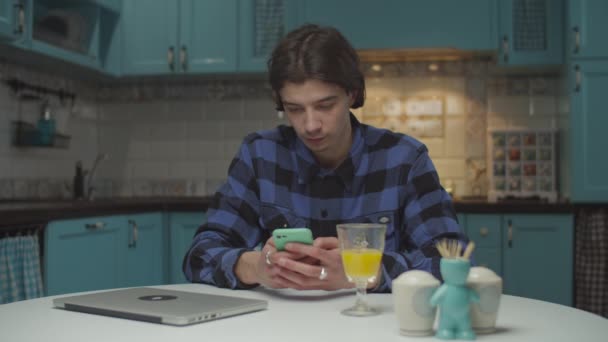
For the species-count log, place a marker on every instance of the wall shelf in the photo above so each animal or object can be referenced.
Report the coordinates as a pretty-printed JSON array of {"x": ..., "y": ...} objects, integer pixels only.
[{"x": 26, "y": 134}]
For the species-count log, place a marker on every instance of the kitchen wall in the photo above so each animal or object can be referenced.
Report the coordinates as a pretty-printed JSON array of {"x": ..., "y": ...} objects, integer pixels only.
[
  {"x": 27, "y": 172},
  {"x": 177, "y": 137}
]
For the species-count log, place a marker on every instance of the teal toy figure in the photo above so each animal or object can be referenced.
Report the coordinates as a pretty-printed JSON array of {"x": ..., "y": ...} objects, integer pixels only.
[{"x": 454, "y": 296}]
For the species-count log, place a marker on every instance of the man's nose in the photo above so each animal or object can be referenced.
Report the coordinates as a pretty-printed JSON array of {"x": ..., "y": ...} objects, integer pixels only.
[{"x": 312, "y": 121}]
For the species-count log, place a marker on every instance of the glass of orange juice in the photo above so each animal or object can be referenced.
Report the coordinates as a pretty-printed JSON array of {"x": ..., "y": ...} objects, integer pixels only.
[{"x": 361, "y": 247}]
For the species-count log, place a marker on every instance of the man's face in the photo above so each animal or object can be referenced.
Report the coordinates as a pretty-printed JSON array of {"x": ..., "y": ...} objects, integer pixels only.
[{"x": 318, "y": 111}]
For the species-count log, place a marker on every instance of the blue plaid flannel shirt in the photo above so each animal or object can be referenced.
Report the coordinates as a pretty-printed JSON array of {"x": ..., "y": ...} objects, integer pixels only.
[{"x": 274, "y": 182}]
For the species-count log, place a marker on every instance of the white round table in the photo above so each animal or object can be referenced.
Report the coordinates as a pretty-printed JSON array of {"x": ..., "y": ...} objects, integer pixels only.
[{"x": 291, "y": 316}]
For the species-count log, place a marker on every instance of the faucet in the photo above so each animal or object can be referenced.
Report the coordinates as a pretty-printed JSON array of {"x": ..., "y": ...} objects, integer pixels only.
[{"x": 89, "y": 187}]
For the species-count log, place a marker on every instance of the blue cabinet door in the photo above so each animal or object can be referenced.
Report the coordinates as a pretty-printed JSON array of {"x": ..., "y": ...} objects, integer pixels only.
[
  {"x": 208, "y": 36},
  {"x": 182, "y": 227},
  {"x": 589, "y": 81},
  {"x": 485, "y": 231},
  {"x": 408, "y": 23},
  {"x": 531, "y": 32},
  {"x": 145, "y": 247},
  {"x": 261, "y": 25},
  {"x": 150, "y": 37},
  {"x": 538, "y": 257},
  {"x": 8, "y": 14},
  {"x": 84, "y": 254},
  {"x": 587, "y": 28}
]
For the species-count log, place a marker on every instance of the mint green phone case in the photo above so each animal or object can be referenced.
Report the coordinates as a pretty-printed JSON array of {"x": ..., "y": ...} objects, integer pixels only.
[{"x": 284, "y": 235}]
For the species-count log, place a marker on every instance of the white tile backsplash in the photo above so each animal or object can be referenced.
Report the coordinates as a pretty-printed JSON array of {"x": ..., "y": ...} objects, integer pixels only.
[
  {"x": 205, "y": 150},
  {"x": 150, "y": 170},
  {"x": 175, "y": 137}
]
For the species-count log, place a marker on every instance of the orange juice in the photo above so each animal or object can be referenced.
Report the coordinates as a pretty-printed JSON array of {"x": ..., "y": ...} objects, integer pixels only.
[{"x": 361, "y": 264}]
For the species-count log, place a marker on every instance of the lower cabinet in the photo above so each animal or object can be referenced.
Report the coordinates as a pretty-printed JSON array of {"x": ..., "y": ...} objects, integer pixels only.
[
  {"x": 84, "y": 254},
  {"x": 182, "y": 226},
  {"x": 533, "y": 253},
  {"x": 145, "y": 250},
  {"x": 106, "y": 252}
]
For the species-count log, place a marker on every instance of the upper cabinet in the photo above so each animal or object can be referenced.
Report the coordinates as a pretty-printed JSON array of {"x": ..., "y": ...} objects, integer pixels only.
[
  {"x": 588, "y": 81},
  {"x": 531, "y": 32},
  {"x": 261, "y": 24},
  {"x": 166, "y": 37},
  {"x": 587, "y": 28},
  {"x": 12, "y": 19},
  {"x": 83, "y": 32},
  {"x": 414, "y": 24}
]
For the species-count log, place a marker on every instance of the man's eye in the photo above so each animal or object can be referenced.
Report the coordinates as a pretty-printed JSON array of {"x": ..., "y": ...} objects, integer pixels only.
[
  {"x": 294, "y": 110},
  {"x": 325, "y": 106}
]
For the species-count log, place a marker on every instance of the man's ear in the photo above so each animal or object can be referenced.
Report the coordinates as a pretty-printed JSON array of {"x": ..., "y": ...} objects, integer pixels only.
[
  {"x": 277, "y": 101},
  {"x": 352, "y": 95}
]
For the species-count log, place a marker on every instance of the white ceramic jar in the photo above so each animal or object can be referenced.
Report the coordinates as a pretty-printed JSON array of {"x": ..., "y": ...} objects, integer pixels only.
[
  {"x": 412, "y": 292},
  {"x": 489, "y": 287}
]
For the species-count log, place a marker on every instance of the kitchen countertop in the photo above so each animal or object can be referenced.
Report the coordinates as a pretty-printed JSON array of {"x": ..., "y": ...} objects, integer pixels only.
[{"x": 40, "y": 212}]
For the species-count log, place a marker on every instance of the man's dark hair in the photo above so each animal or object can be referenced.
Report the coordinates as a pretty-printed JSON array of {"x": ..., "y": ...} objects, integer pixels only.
[{"x": 315, "y": 52}]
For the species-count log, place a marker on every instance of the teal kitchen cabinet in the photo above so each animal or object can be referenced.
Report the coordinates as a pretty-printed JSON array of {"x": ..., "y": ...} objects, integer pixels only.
[
  {"x": 538, "y": 257},
  {"x": 89, "y": 31},
  {"x": 12, "y": 19},
  {"x": 104, "y": 252},
  {"x": 531, "y": 32},
  {"x": 145, "y": 250},
  {"x": 78, "y": 32},
  {"x": 485, "y": 231},
  {"x": 261, "y": 25},
  {"x": 186, "y": 36},
  {"x": 588, "y": 82},
  {"x": 587, "y": 27},
  {"x": 408, "y": 23},
  {"x": 183, "y": 226},
  {"x": 533, "y": 253},
  {"x": 84, "y": 254}
]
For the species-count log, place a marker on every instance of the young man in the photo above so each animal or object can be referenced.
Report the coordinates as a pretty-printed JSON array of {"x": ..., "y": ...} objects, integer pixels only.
[{"x": 325, "y": 168}]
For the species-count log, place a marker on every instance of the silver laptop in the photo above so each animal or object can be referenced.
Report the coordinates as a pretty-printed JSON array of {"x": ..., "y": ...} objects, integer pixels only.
[{"x": 160, "y": 306}]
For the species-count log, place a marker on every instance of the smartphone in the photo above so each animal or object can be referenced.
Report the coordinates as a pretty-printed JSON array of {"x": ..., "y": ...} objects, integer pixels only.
[{"x": 284, "y": 235}]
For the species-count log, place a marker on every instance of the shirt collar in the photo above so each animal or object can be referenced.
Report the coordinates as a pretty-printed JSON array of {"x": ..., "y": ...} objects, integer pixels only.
[{"x": 309, "y": 168}]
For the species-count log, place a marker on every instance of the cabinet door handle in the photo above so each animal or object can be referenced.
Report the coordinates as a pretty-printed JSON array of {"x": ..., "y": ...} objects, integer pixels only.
[
  {"x": 183, "y": 57},
  {"x": 510, "y": 233},
  {"x": 484, "y": 231},
  {"x": 505, "y": 49},
  {"x": 171, "y": 57},
  {"x": 577, "y": 39},
  {"x": 20, "y": 11},
  {"x": 577, "y": 78},
  {"x": 95, "y": 226},
  {"x": 133, "y": 239}
]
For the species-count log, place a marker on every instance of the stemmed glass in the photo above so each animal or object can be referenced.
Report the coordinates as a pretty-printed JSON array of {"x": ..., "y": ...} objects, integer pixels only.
[{"x": 361, "y": 247}]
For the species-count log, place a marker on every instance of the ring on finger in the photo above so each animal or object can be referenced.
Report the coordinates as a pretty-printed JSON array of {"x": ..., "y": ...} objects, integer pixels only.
[
  {"x": 267, "y": 257},
  {"x": 323, "y": 275}
]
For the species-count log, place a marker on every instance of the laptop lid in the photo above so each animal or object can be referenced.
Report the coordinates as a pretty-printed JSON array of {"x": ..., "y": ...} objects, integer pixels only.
[{"x": 160, "y": 305}]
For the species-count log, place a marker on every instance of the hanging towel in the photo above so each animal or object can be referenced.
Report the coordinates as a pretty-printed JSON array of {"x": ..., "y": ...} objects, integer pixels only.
[
  {"x": 20, "y": 274},
  {"x": 591, "y": 261}
]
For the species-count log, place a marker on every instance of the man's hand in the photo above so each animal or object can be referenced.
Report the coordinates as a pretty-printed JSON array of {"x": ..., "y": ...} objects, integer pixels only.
[
  {"x": 307, "y": 275},
  {"x": 261, "y": 267}
]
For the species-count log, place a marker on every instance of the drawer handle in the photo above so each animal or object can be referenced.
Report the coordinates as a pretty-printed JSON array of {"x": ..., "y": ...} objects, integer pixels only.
[
  {"x": 484, "y": 231},
  {"x": 510, "y": 234},
  {"x": 505, "y": 48},
  {"x": 577, "y": 39},
  {"x": 20, "y": 18},
  {"x": 183, "y": 57},
  {"x": 577, "y": 78},
  {"x": 95, "y": 226},
  {"x": 171, "y": 58},
  {"x": 133, "y": 239}
]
